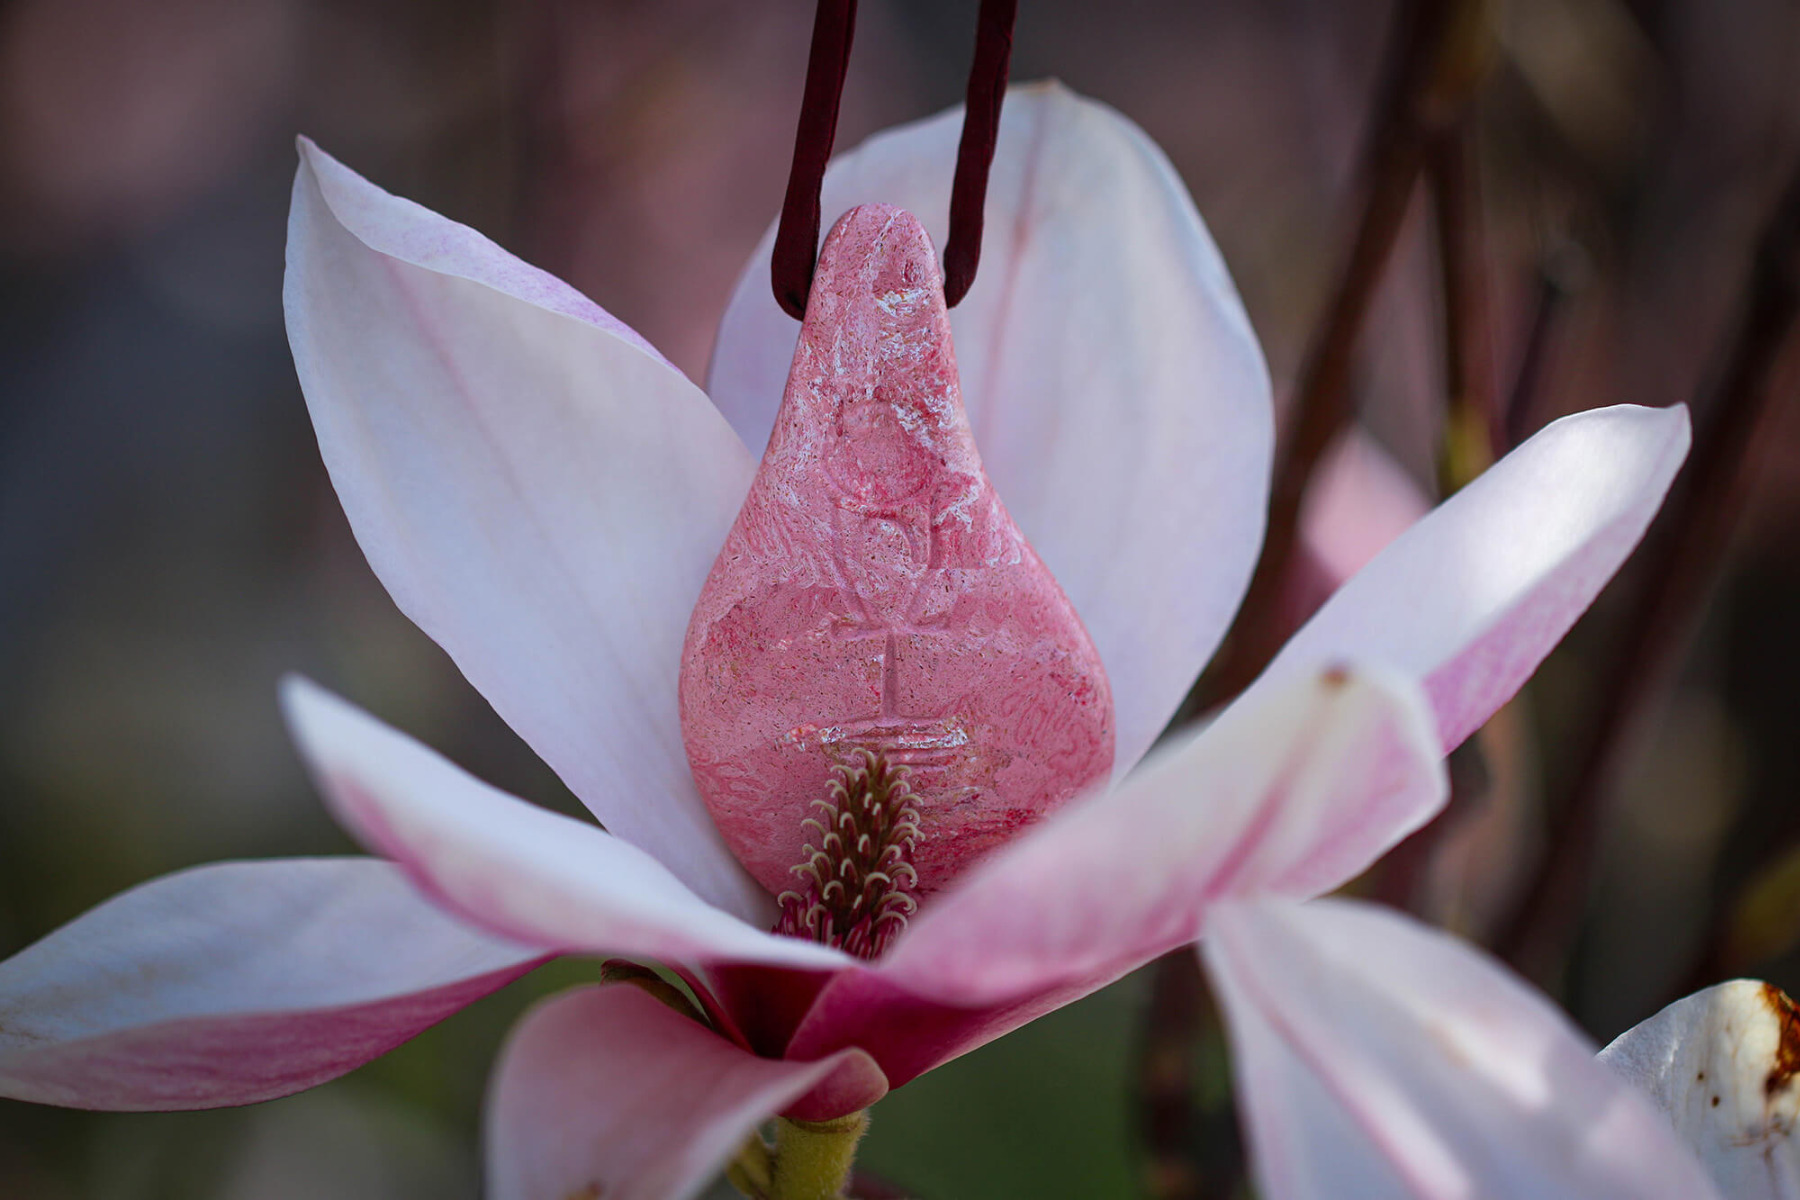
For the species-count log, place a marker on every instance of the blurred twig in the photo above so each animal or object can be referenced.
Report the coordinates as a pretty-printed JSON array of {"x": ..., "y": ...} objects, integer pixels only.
[
  {"x": 1402, "y": 871},
  {"x": 1749, "y": 924},
  {"x": 1473, "y": 432},
  {"x": 1562, "y": 270},
  {"x": 1189, "y": 1155},
  {"x": 1473, "y": 437},
  {"x": 1685, "y": 552},
  {"x": 1439, "y": 55}
]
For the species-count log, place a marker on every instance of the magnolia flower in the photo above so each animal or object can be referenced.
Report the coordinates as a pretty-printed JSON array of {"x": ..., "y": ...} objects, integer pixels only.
[
  {"x": 544, "y": 494},
  {"x": 1375, "y": 1056}
]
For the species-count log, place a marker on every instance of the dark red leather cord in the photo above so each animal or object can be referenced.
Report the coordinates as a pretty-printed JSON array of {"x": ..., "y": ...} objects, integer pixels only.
[
  {"x": 797, "y": 235},
  {"x": 981, "y": 127}
]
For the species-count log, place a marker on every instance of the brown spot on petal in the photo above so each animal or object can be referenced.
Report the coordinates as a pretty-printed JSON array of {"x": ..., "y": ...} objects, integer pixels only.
[
  {"x": 592, "y": 1191},
  {"x": 1787, "y": 1050},
  {"x": 1335, "y": 677}
]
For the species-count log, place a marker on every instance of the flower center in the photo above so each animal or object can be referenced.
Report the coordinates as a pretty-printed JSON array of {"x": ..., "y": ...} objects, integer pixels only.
[{"x": 856, "y": 878}]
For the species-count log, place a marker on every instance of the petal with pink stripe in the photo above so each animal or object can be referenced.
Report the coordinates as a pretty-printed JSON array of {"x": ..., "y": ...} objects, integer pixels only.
[
  {"x": 605, "y": 1092},
  {"x": 237, "y": 982},
  {"x": 1293, "y": 792},
  {"x": 1471, "y": 599},
  {"x": 537, "y": 488},
  {"x": 512, "y": 867},
  {"x": 1375, "y": 1056}
]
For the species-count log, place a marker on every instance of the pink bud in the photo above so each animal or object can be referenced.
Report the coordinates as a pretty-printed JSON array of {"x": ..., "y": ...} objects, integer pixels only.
[{"x": 875, "y": 595}]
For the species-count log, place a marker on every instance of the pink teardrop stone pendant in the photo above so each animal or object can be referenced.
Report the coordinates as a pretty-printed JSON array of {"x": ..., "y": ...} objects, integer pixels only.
[{"x": 875, "y": 596}]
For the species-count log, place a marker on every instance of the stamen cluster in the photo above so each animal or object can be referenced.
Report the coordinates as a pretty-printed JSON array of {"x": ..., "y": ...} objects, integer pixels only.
[{"x": 856, "y": 878}]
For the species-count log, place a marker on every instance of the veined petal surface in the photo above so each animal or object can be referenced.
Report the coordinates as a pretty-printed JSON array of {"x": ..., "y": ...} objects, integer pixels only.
[
  {"x": 605, "y": 1092},
  {"x": 1375, "y": 1056},
  {"x": 1115, "y": 387},
  {"x": 1721, "y": 1065},
  {"x": 236, "y": 982},
  {"x": 538, "y": 489},
  {"x": 518, "y": 869},
  {"x": 1292, "y": 793},
  {"x": 1471, "y": 599},
  {"x": 1295, "y": 792}
]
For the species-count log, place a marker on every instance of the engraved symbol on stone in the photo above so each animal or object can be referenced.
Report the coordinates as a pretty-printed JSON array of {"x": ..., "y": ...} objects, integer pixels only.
[{"x": 873, "y": 593}]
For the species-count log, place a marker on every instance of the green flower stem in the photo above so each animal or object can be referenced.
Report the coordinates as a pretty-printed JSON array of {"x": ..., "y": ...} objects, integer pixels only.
[
  {"x": 812, "y": 1158},
  {"x": 753, "y": 1170}
]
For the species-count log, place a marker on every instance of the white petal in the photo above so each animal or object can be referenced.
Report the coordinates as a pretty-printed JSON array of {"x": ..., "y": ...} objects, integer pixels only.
[
  {"x": 1376, "y": 1056},
  {"x": 520, "y": 870},
  {"x": 1117, "y": 392},
  {"x": 1295, "y": 792},
  {"x": 604, "y": 1092},
  {"x": 537, "y": 488},
  {"x": 236, "y": 982},
  {"x": 1471, "y": 599},
  {"x": 1721, "y": 1065}
]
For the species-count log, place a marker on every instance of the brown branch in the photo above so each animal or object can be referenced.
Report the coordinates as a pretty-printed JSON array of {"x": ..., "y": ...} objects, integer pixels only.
[
  {"x": 1563, "y": 269},
  {"x": 1438, "y": 57},
  {"x": 1400, "y": 877},
  {"x": 1725, "y": 951},
  {"x": 1435, "y": 60},
  {"x": 1165, "y": 1065},
  {"x": 1685, "y": 551},
  {"x": 1473, "y": 430},
  {"x": 1189, "y": 1155},
  {"x": 1472, "y": 440}
]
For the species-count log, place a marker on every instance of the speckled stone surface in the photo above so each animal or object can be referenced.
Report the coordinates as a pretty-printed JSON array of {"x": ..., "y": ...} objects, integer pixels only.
[{"x": 875, "y": 593}]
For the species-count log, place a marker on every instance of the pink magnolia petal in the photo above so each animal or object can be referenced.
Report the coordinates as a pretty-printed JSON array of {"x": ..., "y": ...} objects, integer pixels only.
[
  {"x": 1376, "y": 1056},
  {"x": 236, "y": 982},
  {"x": 1359, "y": 501},
  {"x": 1720, "y": 1065},
  {"x": 1473, "y": 597},
  {"x": 1295, "y": 792},
  {"x": 605, "y": 1092},
  {"x": 520, "y": 870},
  {"x": 908, "y": 1033},
  {"x": 537, "y": 488},
  {"x": 1115, "y": 387}
]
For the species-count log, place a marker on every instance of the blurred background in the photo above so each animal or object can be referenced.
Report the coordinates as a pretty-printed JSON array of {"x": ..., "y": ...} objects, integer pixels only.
[{"x": 169, "y": 544}]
